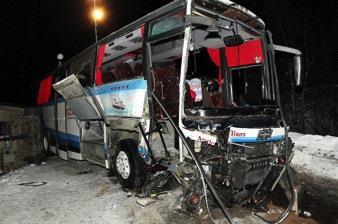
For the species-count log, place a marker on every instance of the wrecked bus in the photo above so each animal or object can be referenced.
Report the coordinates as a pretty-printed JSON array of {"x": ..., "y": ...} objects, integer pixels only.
[{"x": 191, "y": 87}]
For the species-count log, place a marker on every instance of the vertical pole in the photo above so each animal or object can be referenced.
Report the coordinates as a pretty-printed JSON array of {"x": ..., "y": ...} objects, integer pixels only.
[
  {"x": 184, "y": 66},
  {"x": 105, "y": 145},
  {"x": 56, "y": 119},
  {"x": 225, "y": 71},
  {"x": 66, "y": 124},
  {"x": 56, "y": 126},
  {"x": 95, "y": 23}
]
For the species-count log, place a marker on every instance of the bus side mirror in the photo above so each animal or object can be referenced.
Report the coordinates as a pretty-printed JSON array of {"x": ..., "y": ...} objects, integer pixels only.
[
  {"x": 297, "y": 56},
  {"x": 298, "y": 70}
]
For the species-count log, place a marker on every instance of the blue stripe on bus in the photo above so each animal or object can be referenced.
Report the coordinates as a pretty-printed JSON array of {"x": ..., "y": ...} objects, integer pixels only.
[
  {"x": 118, "y": 87},
  {"x": 73, "y": 140},
  {"x": 254, "y": 139}
]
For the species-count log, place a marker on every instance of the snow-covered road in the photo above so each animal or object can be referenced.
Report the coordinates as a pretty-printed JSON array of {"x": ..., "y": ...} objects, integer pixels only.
[{"x": 76, "y": 192}]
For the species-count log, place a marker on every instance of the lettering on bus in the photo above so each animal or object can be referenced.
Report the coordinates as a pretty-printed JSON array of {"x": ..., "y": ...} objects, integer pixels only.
[
  {"x": 69, "y": 112},
  {"x": 237, "y": 134},
  {"x": 209, "y": 141}
]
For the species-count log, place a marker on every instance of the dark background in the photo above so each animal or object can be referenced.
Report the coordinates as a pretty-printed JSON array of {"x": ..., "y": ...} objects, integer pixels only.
[{"x": 33, "y": 32}]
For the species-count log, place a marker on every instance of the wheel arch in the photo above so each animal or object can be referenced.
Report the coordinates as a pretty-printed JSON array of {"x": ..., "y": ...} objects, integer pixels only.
[
  {"x": 138, "y": 167},
  {"x": 117, "y": 138}
]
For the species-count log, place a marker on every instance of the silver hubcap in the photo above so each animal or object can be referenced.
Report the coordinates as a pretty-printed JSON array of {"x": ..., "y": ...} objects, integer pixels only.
[
  {"x": 122, "y": 165},
  {"x": 45, "y": 143}
]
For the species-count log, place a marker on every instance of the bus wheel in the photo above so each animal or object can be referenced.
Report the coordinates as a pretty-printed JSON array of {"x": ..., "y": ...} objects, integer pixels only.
[
  {"x": 45, "y": 143},
  {"x": 129, "y": 166}
]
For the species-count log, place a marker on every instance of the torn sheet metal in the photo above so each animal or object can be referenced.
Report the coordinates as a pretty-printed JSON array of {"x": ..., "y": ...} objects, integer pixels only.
[{"x": 77, "y": 98}]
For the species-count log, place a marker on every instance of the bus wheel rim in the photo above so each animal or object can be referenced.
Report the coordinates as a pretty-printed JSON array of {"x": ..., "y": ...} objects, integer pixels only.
[
  {"x": 122, "y": 165},
  {"x": 45, "y": 143}
]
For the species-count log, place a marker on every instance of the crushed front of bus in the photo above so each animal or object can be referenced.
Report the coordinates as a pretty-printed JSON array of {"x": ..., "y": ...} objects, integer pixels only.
[{"x": 229, "y": 112}]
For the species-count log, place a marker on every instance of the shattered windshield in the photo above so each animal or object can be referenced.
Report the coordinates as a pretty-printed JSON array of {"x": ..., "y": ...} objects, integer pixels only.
[{"x": 226, "y": 76}]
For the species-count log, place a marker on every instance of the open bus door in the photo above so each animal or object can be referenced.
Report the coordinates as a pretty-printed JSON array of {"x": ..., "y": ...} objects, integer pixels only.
[
  {"x": 88, "y": 111},
  {"x": 78, "y": 99}
]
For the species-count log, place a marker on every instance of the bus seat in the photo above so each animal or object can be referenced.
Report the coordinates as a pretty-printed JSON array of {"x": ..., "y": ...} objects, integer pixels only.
[{"x": 123, "y": 71}]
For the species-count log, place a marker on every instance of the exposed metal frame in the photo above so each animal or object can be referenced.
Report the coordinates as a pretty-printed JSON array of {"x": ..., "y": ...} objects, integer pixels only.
[
  {"x": 268, "y": 85},
  {"x": 242, "y": 9},
  {"x": 198, "y": 9},
  {"x": 184, "y": 67}
]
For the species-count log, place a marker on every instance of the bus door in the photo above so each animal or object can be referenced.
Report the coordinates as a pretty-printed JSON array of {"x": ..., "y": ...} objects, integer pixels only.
[
  {"x": 60, "y": 130},
  {"x": 78, "y": 99},
  {"x": 87, "y": 110},
  {"x": 165, "y": 46}
]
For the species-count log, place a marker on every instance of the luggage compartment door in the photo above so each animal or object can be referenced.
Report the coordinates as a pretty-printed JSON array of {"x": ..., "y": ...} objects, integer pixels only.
[{"x": 78, "y": 99}]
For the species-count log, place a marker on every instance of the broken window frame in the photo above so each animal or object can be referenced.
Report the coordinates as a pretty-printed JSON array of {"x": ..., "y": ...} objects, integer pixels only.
[
  {"x": 267, "y": 80},
  {"x": 148, "y": 62}
]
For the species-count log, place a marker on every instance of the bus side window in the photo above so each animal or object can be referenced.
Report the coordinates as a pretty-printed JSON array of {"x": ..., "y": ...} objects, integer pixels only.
[
  {"x": 128, "y": 66},
  {"x": 84, "y": 75},
  {"x": 83, "y": 68},
  {"x": 120, "y": 59}
]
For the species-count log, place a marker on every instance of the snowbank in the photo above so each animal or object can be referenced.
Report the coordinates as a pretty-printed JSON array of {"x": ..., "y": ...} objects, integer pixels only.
[{"x": 315, "y": 155}]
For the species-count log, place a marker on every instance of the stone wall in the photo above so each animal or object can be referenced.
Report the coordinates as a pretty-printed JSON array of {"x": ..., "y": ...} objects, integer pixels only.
[{"x": 18, "y": 124}]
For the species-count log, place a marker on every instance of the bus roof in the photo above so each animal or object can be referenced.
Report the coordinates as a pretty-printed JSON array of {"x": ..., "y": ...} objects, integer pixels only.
[
  {"x": 241, "y": 9},
  {"x": 231, "y": 6}
]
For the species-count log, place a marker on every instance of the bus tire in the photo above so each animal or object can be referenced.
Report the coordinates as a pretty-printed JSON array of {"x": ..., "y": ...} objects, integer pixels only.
[
  {"x": 45, "y": 143},
  {"x": 129, "y": 166}
]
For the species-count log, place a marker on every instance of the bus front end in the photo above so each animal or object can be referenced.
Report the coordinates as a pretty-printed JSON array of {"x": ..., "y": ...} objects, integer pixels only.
[{"x": 229, "y": 106}]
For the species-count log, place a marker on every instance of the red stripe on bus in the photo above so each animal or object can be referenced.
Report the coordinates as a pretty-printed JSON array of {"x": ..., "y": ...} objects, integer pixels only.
[
  {"x": 45, "y": 90},
  {"x": 98, "y": 73}
]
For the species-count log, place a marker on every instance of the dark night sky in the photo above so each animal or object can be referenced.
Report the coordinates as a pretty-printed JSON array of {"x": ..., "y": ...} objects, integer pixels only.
[{"x": 33, "y": 32}]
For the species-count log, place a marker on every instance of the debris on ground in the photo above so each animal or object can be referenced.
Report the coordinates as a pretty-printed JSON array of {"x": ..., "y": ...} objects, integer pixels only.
[
  {"x": 84, "y": 172},
  {"x": 155, "y": 184},
  {"x": 307, "y": 214},
  {"x": 33, "y": 184},
  {"x": 145, "y": 201},
  {"x": 129, "y": 194}
]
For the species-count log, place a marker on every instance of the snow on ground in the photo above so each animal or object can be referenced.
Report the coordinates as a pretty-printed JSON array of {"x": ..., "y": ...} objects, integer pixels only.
[
  {"x": 76, "y": 192},
  {"x": 315, "y": 155}
]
